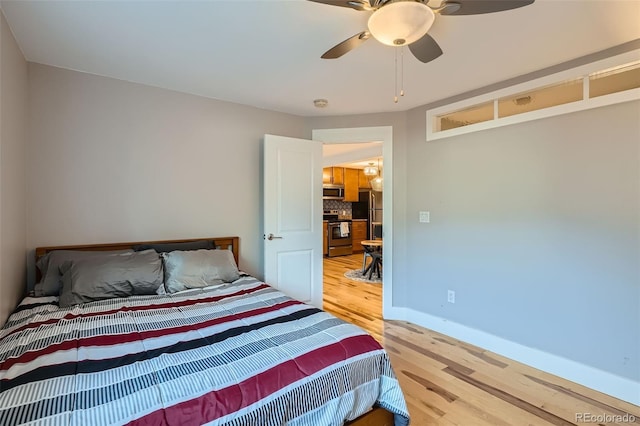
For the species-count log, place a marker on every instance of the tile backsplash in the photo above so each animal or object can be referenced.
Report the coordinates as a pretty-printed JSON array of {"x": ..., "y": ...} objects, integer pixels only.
[{"x": 341, "y": 206}]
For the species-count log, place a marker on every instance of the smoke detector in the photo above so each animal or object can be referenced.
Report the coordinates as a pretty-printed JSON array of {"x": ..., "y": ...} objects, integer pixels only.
[{"x": 320, "y": 103}]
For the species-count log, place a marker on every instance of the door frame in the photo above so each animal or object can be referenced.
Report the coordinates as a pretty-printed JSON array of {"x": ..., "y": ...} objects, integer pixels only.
[{"x": 382, "y": 134}]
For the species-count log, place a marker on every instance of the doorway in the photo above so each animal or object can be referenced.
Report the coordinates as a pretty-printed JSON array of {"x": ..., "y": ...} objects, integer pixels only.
[{"x": 361, "y": 135}]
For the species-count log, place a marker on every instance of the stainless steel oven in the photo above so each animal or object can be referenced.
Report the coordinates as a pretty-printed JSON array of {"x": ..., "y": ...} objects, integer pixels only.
[{"x": 339, "y": 235}]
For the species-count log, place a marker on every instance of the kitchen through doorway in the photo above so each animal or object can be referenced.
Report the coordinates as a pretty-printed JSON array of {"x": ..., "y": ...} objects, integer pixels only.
[
  {"x": 353, "y": 214},
  {"x": 382, "y": 135}
]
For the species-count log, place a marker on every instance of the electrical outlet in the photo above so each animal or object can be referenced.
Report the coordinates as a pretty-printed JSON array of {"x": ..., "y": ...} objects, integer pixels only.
[
  {"x": 425, "y": 217},
  {"x": 451, "y": 296}
]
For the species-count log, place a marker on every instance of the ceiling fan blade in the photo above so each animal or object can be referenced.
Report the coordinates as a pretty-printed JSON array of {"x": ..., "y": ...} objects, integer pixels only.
[
  {"x": 426, "y": 49},
  {"x": 353, "y": 4},
  {"x": 477, "y": 7},
  {"x": 347, "y": 45}
]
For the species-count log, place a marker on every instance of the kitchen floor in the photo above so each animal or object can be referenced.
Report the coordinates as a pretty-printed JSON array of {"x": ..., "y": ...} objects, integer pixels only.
[{"x": 354, "y": 301}]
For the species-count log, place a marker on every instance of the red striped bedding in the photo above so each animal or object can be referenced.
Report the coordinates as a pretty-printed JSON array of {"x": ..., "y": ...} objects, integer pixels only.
[{"x": 238, "y": 354}]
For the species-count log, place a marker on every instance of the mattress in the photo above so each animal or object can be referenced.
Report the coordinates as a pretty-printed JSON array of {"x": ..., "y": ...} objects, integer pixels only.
[{"x": 236, "y": 354}]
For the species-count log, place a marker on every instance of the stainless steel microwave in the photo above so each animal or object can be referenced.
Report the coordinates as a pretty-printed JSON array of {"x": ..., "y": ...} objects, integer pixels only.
[{"x": 333, "y": 192}]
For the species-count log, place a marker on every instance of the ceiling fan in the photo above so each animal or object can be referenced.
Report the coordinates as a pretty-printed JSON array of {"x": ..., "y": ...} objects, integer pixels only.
[{"x": 406, "y": 22}]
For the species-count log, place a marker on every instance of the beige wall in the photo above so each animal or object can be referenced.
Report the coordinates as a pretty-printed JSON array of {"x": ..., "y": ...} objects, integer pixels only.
[
  {"x": 13, "y": 126},
  {"x": 118, "y": 161}
]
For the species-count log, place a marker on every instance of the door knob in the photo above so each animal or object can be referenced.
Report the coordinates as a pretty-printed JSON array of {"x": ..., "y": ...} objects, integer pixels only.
[{"x": 273, "y": 237}]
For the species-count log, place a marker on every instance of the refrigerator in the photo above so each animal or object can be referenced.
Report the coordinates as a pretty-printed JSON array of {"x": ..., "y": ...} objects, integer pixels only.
[{"x": 369, "y": 206}]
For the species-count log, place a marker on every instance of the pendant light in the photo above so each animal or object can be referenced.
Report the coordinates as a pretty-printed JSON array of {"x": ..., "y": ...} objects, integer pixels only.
[
  {"x": 370, "y": 170},
  {"x": 376, "y": 182}
]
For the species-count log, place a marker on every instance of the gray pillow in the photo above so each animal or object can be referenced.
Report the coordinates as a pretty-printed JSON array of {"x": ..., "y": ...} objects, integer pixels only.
[
  {"x": 198, "y": 268},
  {"x": 49, "y": 266},
  {"x": 106, "y": 277},
  {"x": 169, "y": 247}
]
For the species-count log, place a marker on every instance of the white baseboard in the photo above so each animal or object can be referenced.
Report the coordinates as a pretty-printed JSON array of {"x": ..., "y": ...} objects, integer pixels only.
[{"x": 602, "y": 381}]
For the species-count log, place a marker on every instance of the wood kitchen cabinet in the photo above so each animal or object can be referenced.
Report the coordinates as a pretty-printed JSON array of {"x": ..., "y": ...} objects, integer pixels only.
[
  {"x": 338, "y": 175},
  {"x": 325, "y": 238},
  {"x": 327, "y": 175},
  {"x": 351, "y": 185},
  {"x": 363, "y": 180},
  {"x": 358, "y": 234},
  {"x": 333, "y": 175}
]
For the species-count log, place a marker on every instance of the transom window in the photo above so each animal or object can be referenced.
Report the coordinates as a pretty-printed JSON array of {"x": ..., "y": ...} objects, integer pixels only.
[{"x": 561, "y": 93}]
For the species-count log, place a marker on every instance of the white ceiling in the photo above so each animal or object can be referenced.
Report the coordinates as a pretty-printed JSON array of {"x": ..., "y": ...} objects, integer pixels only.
[
  {"x": 353, "y": 155},
  {"x": 266, "y": 53}
]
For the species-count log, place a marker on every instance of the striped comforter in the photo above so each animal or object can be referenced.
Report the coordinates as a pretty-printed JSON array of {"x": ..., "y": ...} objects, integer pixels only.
[{"x": 239, "y": 354}]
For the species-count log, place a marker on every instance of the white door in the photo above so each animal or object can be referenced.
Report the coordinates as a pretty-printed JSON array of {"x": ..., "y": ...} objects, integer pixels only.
[{"x": 292, "y": 211}]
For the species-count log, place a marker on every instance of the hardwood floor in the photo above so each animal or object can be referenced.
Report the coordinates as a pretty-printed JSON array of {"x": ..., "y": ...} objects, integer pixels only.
[{"x": 448, "y": 382}]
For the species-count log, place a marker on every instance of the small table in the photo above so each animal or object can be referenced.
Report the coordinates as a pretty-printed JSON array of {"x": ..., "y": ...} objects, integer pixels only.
[
  {"x": 373, "y": 249},
  {"x": 372, "y": 243}
]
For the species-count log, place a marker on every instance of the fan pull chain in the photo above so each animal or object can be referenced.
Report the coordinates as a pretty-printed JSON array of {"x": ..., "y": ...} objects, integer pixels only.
[
  {"x": 399, "y": 71},
  {"x": 395, "y": 90},
  {"x": 402, "y": 71}
]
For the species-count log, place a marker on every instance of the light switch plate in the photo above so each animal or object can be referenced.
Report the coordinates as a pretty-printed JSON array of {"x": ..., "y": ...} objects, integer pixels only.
[{"x": 425, "y": 217}]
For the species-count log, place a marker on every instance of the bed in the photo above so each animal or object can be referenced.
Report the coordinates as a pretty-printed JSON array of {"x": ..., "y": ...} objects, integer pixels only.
[{"x": 232, "y": 353}]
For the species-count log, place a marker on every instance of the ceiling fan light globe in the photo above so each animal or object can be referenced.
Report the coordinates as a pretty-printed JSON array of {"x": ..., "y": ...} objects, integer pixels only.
[{"x": 401, "y": 23}]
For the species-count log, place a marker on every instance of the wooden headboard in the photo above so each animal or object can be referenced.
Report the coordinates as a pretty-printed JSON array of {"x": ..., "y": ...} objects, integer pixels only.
[{"x": 231, "y": 243}]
